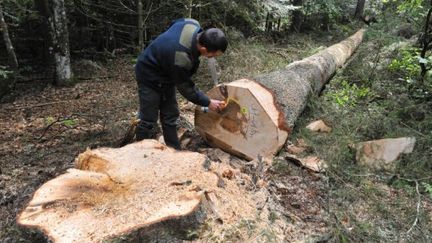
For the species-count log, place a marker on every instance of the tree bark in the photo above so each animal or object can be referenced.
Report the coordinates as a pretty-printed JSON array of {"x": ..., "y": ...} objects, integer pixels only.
[
  {"x": 189, "y": 5},
  {"x": 293, "y": 85},
  {"x": 359, "y": 9},
  {"x": 426, "y": 40},
  {"x": 267, "y": 23},
  {"x": 7, "y": 83},
  {"x": 13, "y": 62},
  {"x": 297, "y": 18},
  {"x": 55, "y": 18},
  {"x": 261, "y": 111},
  {"x": 61, "y": 44},
  {"x": 140, "y": 25}
]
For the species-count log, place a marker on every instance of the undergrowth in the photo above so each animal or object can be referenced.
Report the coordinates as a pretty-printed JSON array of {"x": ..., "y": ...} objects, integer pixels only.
[{"x": 379, "y": 95}]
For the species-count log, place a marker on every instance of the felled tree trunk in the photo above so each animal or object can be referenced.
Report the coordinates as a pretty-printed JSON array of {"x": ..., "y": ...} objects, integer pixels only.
[
  {"x": 134, "y": 190},
  {"x": 262, "y": 111}
]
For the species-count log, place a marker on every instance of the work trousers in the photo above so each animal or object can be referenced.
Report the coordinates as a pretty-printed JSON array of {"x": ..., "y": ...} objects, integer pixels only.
[{"x": 160, "y": 100}]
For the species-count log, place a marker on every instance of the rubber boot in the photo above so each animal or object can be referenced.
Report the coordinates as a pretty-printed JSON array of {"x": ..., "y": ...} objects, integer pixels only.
[
  {"x": 142, "y": 132},
  {"x": 171, "y": 137}
]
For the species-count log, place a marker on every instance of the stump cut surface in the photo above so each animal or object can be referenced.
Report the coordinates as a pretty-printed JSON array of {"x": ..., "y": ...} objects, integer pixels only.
[{"x": 112, "y": 192}]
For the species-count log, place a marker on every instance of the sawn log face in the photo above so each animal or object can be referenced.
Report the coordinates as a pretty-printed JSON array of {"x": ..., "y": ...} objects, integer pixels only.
[{"x": 250, "y": 125}]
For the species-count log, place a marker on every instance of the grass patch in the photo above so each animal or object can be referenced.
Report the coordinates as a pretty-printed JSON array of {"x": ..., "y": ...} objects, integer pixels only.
[{"x": 367, "y": 101}]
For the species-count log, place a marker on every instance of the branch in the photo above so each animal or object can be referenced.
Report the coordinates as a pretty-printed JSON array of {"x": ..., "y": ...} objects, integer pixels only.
[
  {"x": 126, "y": 7},
  {"x": 16, "y": 19},
  {"x": 419, "y": 133},
  {"x": 37, "y": 105},
  {"x": 200, "y": 5},
  {"x": 148, "y": 13},
  {"x": 418, "y": 207},
  {"x": 48, "y": 127}
]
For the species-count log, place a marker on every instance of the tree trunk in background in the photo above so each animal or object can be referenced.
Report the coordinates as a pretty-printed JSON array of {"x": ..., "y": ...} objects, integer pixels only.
[
  {"x": 43, "y": 9},
  {"x": 7, "y": 83},
  {"x": 55, "y": 17},
  {"x": 359, "y": 9},
  {"x": 278, "y": 24},
  {"x": 426, "y": 42},
  {"x": 140, "y": 26},
  {"x": 13, "y": 62},
  {"x": 297, "y": 18},
  {"x": 61, "y": 43},
  {"x": 261, "y": 111},
  {"x": 189, "y": 5}
]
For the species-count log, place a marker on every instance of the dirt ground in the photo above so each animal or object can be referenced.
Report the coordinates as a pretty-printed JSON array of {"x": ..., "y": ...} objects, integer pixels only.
[{"x": 43, "y": 129}]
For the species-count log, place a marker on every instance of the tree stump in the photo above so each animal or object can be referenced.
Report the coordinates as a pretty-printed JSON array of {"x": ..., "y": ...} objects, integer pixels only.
[
  {"x": 116, "y": 192},
  {"x": 261, "y": 111}
]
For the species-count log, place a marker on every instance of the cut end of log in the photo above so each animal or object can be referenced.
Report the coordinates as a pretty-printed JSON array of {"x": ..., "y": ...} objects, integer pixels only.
[
  {"x": 260, "y": 113},
  {"x": 250, "y": 125},
  {"x": 116, "y": 191}
]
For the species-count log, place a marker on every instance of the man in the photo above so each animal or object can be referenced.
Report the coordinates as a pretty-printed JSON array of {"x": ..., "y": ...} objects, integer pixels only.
[{"x": 168, "y": 62}]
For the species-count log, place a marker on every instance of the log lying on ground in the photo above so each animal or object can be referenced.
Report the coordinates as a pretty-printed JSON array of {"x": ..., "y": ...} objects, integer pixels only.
[
  {"x": 262, "y": 111},
  {"x": 113, "y": 192}
]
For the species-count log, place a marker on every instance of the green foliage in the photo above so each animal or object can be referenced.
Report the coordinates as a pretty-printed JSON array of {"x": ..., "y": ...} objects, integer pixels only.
[
  {"x": 403, "y": 184},
  {"x": 414, "y": 11},
  {"x": 407, "y": 67},
  {"x": 281, "y": 7},
  {"x": 428, "y": 188},
  {"x": 280, "y": 166},
  {"x": 5, "y": 73},
  {"x": 243, "y": 15},
  {"x": 69, "y": 122},
  {"x": 348, "y": 94},
  {"x": 49, "y": 120},
  {"x": 329, "y": 11},
  {"x": 407, "y": 63},
  {"x": 273, "y": 216},
  {"x": 412, "y": 8},
  {"x": 371, "y": 99},
  {"x": 17, "y": 11},
  {"x": 330, "y": 8}
]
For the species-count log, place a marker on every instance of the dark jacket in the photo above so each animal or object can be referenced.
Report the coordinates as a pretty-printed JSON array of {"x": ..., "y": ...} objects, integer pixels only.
[{"x": 172, "y": 58}]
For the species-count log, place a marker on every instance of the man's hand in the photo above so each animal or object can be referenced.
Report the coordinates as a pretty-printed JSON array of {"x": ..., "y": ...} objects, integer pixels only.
[{"x": 216, "y": 105}]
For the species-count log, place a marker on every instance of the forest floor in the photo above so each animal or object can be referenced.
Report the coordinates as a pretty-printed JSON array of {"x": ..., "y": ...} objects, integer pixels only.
[{"x": 44, "y": 128}]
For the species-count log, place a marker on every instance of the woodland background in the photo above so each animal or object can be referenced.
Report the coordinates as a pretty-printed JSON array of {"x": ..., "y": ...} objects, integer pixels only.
[{"x": 67, "y": 83}]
